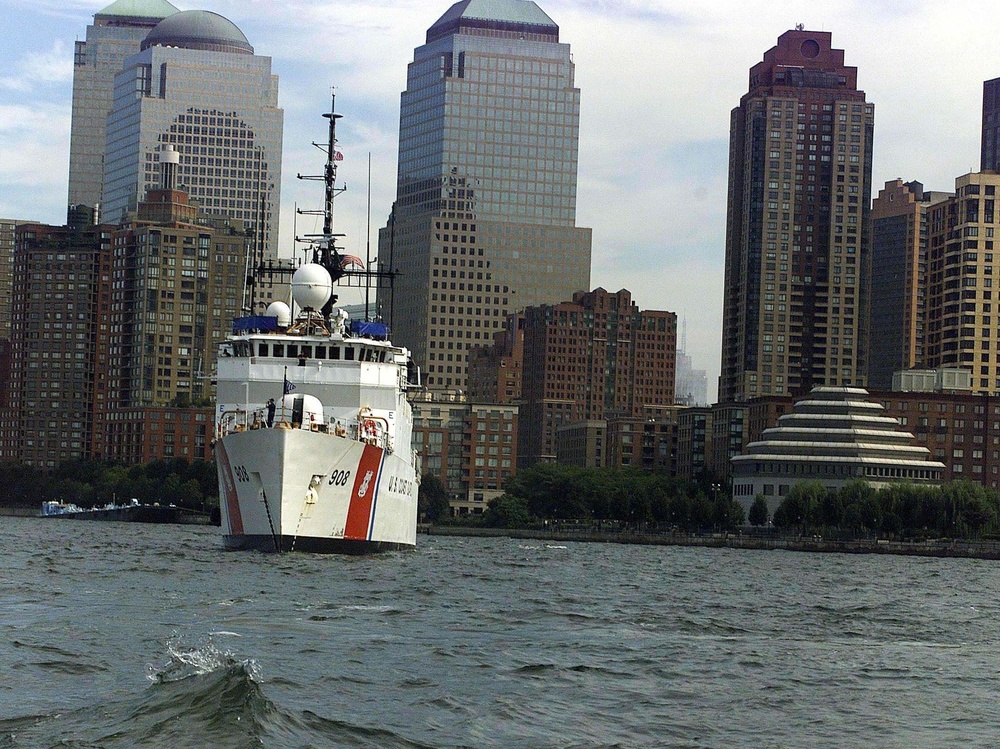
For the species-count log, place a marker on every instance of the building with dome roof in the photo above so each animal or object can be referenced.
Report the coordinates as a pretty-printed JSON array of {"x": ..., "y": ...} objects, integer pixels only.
[
  {"x": 834, "y": 436},
  {"x": 115, "y": 34},
  {"x": 196, "y": 84},
  {"x": 198, "y": 29}
]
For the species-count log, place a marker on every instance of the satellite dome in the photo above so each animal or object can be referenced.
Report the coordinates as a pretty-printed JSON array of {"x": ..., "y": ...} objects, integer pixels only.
[
  {"x": 311, "y": 286},
  {"x": 281, "y": 311},
  {"x": 198, "y": 29}
]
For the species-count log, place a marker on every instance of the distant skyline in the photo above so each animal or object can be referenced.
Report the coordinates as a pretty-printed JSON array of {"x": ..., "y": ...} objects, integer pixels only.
[{"x": 657, "y": 81}]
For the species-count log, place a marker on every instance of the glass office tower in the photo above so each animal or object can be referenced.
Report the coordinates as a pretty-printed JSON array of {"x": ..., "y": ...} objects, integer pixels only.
[
  {"x": 484, "y": 221},
  {"x": 115, "y": 35},
  {"x": 196, "y": 84}
]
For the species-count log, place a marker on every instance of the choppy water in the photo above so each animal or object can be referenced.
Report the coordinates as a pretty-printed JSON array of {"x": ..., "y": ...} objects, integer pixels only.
[{"x": 116, "y": 635}]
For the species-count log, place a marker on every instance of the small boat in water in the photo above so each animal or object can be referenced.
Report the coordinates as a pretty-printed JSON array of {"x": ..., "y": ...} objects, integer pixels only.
[{"x": 133, "y": 512}]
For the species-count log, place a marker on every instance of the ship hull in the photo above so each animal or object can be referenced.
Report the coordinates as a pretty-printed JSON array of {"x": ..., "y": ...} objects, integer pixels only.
[{"x": 302, "y": 490}]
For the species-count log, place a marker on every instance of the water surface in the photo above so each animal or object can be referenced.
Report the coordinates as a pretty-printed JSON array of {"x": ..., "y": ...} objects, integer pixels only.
[{"x": 128, "y": 635}]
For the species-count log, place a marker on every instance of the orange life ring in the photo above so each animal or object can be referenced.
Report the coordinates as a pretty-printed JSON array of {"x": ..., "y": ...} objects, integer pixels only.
[{"x": 370, "y": 427}]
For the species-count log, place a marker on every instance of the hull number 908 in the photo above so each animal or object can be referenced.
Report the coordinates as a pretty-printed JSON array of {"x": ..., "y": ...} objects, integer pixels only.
[{"x": 339, "y": 478}]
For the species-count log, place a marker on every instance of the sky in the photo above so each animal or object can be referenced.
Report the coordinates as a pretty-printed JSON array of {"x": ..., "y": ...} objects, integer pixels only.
[{"x": 658, "y": 80}]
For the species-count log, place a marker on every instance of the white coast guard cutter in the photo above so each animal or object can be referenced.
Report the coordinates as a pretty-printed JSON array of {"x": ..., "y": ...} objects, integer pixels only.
[
  {"x": 330, "y": 467},
  {"x": 313, "y": 429}
]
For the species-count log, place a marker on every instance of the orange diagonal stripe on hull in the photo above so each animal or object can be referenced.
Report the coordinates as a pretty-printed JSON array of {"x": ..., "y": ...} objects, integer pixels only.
[{"x": 359, "y": 512}]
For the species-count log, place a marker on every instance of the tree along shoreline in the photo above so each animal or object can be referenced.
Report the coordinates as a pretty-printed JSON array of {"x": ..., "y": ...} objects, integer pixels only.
[
  {"x": 940, "y": 548},
  {"x": 93, "y": 483},
  {"x": 658, "y": 508}
]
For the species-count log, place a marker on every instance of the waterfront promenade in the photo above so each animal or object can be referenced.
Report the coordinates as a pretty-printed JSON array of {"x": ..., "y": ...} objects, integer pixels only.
[{"x": 965, "y": 548}]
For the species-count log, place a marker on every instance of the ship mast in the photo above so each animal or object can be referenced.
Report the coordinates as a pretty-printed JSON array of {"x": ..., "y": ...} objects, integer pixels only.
[
  {"x": 326, "y": 251},
  {"x": 343, "y": 269}
]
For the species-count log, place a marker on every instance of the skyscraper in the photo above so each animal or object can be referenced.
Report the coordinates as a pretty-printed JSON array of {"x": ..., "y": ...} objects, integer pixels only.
[
  {"x": 57, "y": 314},
  {"x": 196, "y": 84},
  {"x": 797, "y": 257},
  {"x": 899, "y": 272},
  {"x": 115, "y": 35},
  {"x": 990, "y": 155},
  {"x": 484, "y": 221},
  {"x": 961, "y": 322}
]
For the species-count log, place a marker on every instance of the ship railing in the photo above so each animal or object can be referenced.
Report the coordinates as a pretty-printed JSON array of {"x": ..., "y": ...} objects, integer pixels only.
[
  {"x": 241, "y": 420},
  {"x": 235, "y": 420}
]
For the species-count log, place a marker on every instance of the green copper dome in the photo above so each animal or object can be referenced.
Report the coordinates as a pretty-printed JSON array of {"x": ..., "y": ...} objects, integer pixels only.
[
  {"x": 198, "y": 29},
  {"x": 138, "y": 9}
]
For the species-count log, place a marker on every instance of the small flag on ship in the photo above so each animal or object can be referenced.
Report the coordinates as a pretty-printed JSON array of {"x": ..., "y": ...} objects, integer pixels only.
[{"x": 289, "y": 386}]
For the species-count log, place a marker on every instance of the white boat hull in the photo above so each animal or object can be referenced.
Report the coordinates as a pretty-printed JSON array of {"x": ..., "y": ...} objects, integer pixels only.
[{"x": 296, "y": 489}]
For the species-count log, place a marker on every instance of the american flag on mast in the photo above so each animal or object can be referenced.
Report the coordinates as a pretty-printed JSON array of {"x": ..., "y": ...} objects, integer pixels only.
[{"x": 346, "y": 260}]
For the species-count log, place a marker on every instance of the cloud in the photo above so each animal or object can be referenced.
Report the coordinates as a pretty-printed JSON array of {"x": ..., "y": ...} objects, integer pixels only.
[
  {"x": 52, "y": 66},
  {"x": 64, "y": 10},
  {"x": 34, "y": 168}
]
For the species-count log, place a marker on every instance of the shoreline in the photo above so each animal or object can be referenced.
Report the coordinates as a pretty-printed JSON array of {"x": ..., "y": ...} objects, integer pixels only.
[{"x": 951, "y": 548}]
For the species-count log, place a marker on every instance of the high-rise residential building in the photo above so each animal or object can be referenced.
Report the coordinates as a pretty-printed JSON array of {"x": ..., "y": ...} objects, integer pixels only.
[
  {"x": 495, "y": 371},
  {"x": 115, "y": 332},
  {"x": 990, "y": 154},
  {"x": 178, "y": 276},
  {"x": 469, "y": 446},
  {"x": 484, "y": 221},
  {"x": 899, "y": 273},
  {"x": 56, "y": 314},
  {"x": 963, "y": 315},
  {"x": 597, "y": 357},
  {"x": 8, "y": 233},
  {"x": 649, "y": 444},
  {"x": 197, "y": 85},
  {"x": 797, "y": 255},
  {"x": 114, "y": 35}
]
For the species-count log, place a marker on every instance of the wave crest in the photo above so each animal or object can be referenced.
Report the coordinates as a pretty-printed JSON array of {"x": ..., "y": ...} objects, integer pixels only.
[{"x": 197, "y": 660}]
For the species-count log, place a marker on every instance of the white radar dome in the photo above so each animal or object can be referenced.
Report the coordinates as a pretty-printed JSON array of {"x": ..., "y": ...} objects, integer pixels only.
[
  {"x": 311, "y": 286},
  {"x": 281, "y": 311}
]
